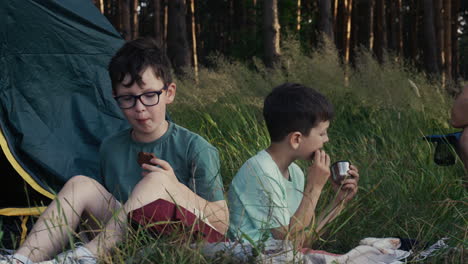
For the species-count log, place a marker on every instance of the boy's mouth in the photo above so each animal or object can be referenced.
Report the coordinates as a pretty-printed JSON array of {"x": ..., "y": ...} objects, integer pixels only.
[{"x": 142, "y": 120}]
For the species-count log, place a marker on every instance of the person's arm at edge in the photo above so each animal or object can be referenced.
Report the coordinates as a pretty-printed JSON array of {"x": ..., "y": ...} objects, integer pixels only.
[
  {"x": 317, "y": 176},
  {"x": 459, "y": 113}
]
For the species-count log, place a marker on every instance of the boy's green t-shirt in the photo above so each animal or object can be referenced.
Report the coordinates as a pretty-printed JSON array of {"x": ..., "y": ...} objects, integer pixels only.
[
  {"x": 260, "y": 198},
  {"x": 195, "y": 162}
]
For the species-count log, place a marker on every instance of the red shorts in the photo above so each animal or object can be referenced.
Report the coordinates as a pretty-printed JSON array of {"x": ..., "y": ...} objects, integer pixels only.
[{"x": 164, "y": 217}]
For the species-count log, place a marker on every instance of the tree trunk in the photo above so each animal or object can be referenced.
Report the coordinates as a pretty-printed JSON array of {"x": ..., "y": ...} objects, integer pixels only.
[
  {"x": 448, "y": 39},
  {"x": 298, "y": 16},
  {"x": 455, "y": 51},
  {"x": 415, "y": 28},
  {"x": 125, "y": 19},
  {"x": 177, "y": 44},
  {"x": 400, "y": 27},
  {"x": 439, "y": 33},
  {"x": 271, "y": 28},
  {"x": 230, "y": 26},
  {"x": 380, "y": 44},
  {"x": 113, "y": 13},
  {"x": 253, "y": 19},
  {"x": 325, "y": 22},
  {"x": 335, "y": 15},
  {"x": 356, "y": 28},
  {"x": 158, "y": 30},
  {"x": 135, "y": 24},
  {"x": 107, "y": 10},
  {"x": 430, "y": 58},
  {"x": 166, "y": 21},
  {"x": 340, "y": 25},
  {"x": 347, "y": 38},
  {"x": 100, "y": 5},
  {"x": 194, "y": 39},
  {"x": 240, "y": 30},
  {"x": 396, "y": 28},
  {"x": 371, "y": 25}
]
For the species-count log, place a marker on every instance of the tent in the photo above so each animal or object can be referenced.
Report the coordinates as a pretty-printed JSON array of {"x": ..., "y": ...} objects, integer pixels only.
[{"x": 56, "y": 104}]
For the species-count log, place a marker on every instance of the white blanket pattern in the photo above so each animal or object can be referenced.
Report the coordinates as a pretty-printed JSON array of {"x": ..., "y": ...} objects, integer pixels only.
[{"x": 370, "y": 251}]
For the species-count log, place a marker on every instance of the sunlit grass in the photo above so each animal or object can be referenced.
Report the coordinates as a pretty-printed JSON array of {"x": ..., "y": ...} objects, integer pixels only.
[{"x": 382, "y": 112}]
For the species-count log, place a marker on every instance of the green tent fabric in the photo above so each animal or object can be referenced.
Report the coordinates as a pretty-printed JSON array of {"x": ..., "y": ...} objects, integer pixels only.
[{"x": 56, "y": 104}]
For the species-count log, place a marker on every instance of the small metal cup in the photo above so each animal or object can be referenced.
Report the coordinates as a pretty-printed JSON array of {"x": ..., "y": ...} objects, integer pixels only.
[{"x": 339, "y": 171}]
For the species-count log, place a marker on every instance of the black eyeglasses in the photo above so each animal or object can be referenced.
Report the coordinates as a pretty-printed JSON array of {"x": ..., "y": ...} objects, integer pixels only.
[{"x": 147, "y": 99}]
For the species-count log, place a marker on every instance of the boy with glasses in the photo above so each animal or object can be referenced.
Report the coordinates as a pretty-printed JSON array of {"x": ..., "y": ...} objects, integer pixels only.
[{"x": 185, "y": 170}]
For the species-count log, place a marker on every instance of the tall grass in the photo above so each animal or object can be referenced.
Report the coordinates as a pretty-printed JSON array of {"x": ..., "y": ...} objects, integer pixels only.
[{"x": 382, "y": 112}]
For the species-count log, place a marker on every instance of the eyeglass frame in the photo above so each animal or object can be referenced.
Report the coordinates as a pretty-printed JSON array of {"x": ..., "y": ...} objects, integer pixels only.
[{"x": 138, "y": 97}]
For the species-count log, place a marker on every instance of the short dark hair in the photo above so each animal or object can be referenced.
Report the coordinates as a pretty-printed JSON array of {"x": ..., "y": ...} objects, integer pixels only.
[
  {"x": 294, "y": 107},
  {"x": 135, "y": 56}
]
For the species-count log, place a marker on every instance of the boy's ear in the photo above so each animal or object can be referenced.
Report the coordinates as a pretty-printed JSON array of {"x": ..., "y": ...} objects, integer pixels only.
[
  {"x": 295, "y": 139},
  {"x": 170, "y": 93}
]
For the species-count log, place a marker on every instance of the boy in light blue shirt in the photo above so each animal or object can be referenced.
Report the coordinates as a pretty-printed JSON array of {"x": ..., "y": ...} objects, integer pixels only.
[{"x": 269, "y": 196}]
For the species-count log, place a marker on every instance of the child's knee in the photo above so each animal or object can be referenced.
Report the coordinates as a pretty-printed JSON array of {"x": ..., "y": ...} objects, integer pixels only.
[
  {"x": 81, "y": 180},
  {"x": 82, "y": 183},
  {"x": 153, "y": 185},
  {"x": 157, "y": 179}
]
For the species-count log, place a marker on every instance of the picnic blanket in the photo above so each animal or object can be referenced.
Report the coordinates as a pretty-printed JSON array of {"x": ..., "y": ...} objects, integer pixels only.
[
  {"x": 369, "y": 251},
  {"x": 164, "y": 217}
]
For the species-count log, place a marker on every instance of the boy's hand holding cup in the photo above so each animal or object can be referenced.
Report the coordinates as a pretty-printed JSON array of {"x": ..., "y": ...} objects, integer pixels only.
[
  {"x": 339, "y": 171},
  {"x": 345, "y": 178}
]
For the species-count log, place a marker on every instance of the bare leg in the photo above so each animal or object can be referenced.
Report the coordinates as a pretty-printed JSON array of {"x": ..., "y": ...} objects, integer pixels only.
[
  {"x": 62, "y": 216},
  {"x": 152, "y": 187},
  {"x": 463, "y": 148}
]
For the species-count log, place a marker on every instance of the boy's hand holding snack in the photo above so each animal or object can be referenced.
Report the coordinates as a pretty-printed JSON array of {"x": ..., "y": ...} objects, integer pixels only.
[
  {"x": 319, "y": 172},
  {"x": 145, "y": 157},
  {"x": 157, "y": 166}
]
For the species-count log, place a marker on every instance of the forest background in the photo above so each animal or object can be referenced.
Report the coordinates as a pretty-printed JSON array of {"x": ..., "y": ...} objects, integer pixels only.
[
  {"x": 431, "y": 34},
  {"x": 391, "y": 68}
]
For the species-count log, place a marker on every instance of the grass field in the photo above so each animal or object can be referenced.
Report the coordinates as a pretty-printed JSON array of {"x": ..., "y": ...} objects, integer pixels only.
[{"x": 382, "y": 113}]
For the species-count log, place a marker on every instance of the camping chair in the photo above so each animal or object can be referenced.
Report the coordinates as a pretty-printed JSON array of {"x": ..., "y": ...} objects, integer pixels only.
[{"x": 445, "y": 143}]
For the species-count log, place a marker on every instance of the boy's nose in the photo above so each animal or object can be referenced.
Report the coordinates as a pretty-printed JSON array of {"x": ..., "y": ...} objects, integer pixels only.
[{"x": 139, "y": 106}]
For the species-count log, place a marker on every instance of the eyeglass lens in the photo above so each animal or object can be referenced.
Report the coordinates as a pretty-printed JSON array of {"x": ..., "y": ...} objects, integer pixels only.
[{"x": 147, "y": 99}]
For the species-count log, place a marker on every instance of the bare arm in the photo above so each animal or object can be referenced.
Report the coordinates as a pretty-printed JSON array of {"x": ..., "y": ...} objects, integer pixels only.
[
  {"x": 345, "y": 192},
  {"x": 306, "y": 211},
  {"x": 460, "y": 110},
  {"x": 317, "y": 176},
  {"x": 218, "y": 215}
]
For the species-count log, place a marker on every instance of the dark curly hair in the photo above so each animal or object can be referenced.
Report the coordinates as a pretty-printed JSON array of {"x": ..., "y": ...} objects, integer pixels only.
[
  {"x": 135, "y": 56},
  {"x": 294, "y": 107}
]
